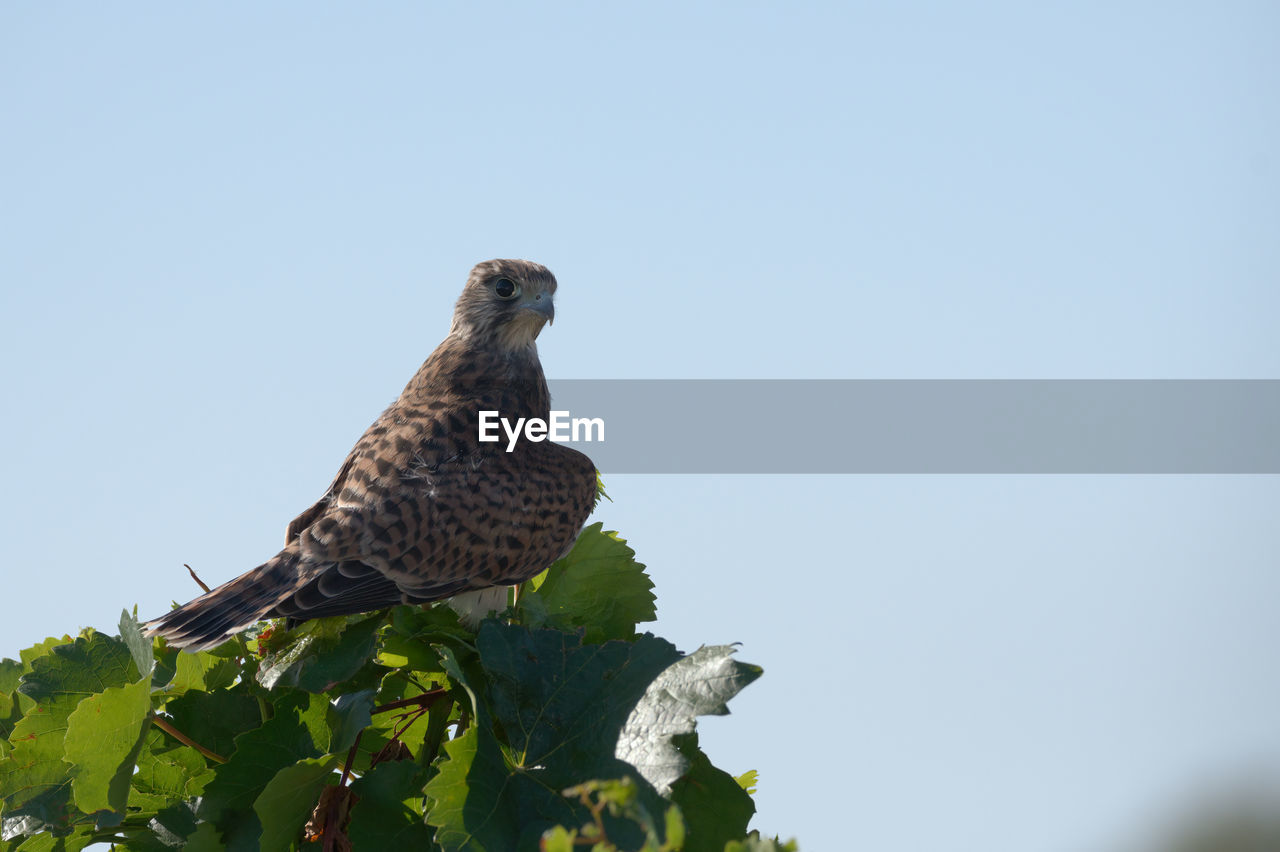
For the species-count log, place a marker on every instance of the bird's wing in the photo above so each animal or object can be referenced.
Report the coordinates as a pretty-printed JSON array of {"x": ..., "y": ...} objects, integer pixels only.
[
  {"x": 451, "y": 516},
  {"x": 309, "y": 515},
  {"x": 387, "y": 493}
]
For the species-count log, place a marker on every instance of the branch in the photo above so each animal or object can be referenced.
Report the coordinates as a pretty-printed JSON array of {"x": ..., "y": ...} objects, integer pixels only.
[
  {"x": 164, "y": 725},
  {"x": 195, "y": 577},
  {"x": 351, "y": 759},
  {"x": 426, "y": 699}
]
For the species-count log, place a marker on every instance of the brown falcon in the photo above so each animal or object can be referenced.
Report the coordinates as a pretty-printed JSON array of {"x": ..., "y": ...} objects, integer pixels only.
[{"x": 422, "y": 509}]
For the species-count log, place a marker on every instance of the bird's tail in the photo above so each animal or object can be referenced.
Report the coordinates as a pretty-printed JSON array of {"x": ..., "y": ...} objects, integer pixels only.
[{"x": 216, "y": 616}]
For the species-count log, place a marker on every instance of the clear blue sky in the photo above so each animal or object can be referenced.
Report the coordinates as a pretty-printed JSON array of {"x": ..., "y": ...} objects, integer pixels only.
[{"x": 229, "y": 235}]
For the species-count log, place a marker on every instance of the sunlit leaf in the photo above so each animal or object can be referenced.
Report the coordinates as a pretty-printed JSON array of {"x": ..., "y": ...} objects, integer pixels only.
[
  {"x": 139, "y": 645},
  {"x": 104, "y": 736},
  {"x": 598, "y": 586},
  {"x": 320, "y": 661},
  {"x": 697, "y": 685}
]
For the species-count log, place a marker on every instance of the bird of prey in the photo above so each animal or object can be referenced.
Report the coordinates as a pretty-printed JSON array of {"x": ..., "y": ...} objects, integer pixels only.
[{"x": 421, "y": 509}]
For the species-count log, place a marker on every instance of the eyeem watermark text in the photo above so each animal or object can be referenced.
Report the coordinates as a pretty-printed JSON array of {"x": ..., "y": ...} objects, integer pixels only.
[{"x": 560, "y": 428}]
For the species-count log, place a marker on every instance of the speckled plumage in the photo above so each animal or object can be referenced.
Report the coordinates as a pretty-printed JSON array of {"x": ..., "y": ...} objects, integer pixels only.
[{"x": 421, "y": 509}]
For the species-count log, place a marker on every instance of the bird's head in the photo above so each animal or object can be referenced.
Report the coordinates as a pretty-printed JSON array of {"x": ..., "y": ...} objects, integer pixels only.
[{"x": 505, "y": 303}]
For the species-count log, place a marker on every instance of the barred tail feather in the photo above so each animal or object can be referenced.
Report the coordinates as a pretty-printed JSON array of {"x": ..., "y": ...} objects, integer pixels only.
[{"x": 216, "y": 616}]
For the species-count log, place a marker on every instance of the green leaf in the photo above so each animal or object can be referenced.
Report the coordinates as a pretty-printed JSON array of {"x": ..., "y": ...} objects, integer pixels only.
[
  {"x": 29, "y": 655},
  {"x": 104, "y": 737},
  {"x": 166, "y": 665},
  {"x": 475, "y": 803},
  {"x": 383, "y": 725},
  {"x": 618, "y": 814},
  {"x": 755, "y": 843},
  {"x": 48, "y": 810},
  {"x": 10, "y": 671},
  {"x": 202, "y": 671},
  {"x": 389, "y": 813},
  {"x": 748, "y": 781},
  {"x": 568, "y": 712},
  {"x": 409, "y": 639},
  {"x": 321, "y": 660},
  {"x": 167, "y": 829},
  {"x": 313, "y": 712},
  {"x": 170, "y": 828},
  {"x": 205, "y": 839},
  {"x": 561, "y": 706},
  {"x": 139, "y": 645},
  {"x": 347, "y": 717},
  {"x": 214, "y": 719},
  {"x": 696, "y": 685},
  {"x": 675, "y": 828},
  {"x": 49, "y": 843},
  {"x": 559, "y": 839},
  {"x": 451, "y": 793},
  {"x": 10, "y": 706},
  {"x": 72, "y": 671},
  {"x": 428, "y": 621},
  {"x": 716, "y": 810},
  {"x": 597, "y": 586},
  {"x": 286, "y": 802},
  {"x": 34, "y": 781},
  {"x": 600, "y": 492},
  {"x": 166, "y": 775},
  {"x": 259, "y": 754}
]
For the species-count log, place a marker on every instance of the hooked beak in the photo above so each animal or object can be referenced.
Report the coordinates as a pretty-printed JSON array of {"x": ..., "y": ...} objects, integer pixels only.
[{"x": 541, "y": 303}]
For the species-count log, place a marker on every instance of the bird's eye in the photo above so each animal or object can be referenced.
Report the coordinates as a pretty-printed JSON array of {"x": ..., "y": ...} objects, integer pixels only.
[{"x": 506, "y": 288}]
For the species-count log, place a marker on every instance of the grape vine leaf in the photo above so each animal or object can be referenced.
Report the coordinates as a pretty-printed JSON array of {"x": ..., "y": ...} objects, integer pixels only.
[
  {"x": 140, "y": 647},
  {"x": 40, "y": 649},
  {"x": 202, "y": 671},
  {"x": 696, "y": 685},
  {"x": 103, "y": 739},
  {"x": 564, "y": 713},
  {"x": 10, "y": 672},
  {"x": 166, "y": 775},
  {"x": 755, "y": 843},
  {"x": 347, "y": 716},
  {"x": 389, "y": 815},
  {"x": 597, "y": 586},
  {"x": 286, "y": 802},
  {"x": 259, "y": 754},
  {"x": 715, "y": 807},
  {"x": 561, "y": 705},
  {"x": 320, "y": 661},
  {"x": 214, "y": 719},
  {"x": 35, "y": 786}
]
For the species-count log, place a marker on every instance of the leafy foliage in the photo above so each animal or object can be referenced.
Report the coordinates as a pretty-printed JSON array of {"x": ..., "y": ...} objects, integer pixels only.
[{"x": 557, "y": 727}]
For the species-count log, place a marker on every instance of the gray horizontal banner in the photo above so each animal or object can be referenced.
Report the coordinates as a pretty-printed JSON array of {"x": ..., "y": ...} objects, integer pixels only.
[{"x": 942, "y": 426}]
